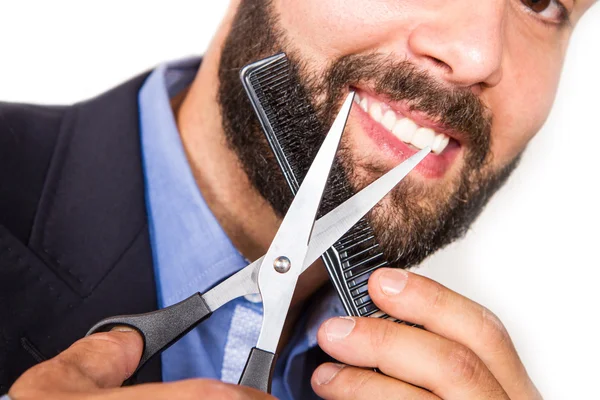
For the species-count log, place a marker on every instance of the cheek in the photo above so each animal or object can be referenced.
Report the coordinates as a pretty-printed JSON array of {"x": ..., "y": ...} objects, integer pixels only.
[
  {"x": 524, "y": 98},
  {"x": 323, "y": 30}
]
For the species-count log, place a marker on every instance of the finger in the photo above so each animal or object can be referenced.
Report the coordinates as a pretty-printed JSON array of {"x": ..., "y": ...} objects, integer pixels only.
[
  {"x": 412, "y": 355},
  {"x": 335, "y": 381},
  {"x": 420, "y": 300},
  {"x": 192, "y": 389},
  {"x": 102, "y": 360}
]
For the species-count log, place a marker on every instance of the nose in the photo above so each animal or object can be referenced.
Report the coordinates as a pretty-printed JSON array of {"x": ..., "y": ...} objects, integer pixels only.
[{"x": 463, "y": 43}]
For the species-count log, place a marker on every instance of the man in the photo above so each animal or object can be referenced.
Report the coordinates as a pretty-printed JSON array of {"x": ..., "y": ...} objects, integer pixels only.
[{"x": 102, "y": 215}]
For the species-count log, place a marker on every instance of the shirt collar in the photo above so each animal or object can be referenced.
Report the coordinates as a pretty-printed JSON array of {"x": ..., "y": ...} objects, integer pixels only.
[{"x": 191, "y": 250}]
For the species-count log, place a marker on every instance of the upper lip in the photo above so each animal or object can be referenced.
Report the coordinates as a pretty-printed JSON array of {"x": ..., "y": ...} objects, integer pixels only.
[{"x": 419, "y": 117}]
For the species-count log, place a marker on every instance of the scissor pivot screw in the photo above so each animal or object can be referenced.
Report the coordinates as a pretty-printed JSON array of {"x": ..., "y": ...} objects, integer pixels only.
[{"x": 282, "y": 264}]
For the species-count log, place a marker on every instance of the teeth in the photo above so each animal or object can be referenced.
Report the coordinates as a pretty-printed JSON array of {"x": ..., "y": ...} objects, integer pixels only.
[
  {"x": 439, "y": 143},
  {"x": 364, "y": 104},
  {"x": 356, "y": 98},
  {"x": 404, "y": 129},
  {"x": 389, "y": 120},
  {"x": 423, "y": 138},
  {"x": 375, "y": 112}
]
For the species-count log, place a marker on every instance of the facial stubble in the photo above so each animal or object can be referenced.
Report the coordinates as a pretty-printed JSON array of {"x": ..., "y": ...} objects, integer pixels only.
[{"x": 415, "y": 220}]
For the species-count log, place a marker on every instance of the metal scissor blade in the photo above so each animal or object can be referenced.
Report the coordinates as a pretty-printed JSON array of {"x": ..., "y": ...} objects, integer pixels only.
[
  {"x": 242, "y": 283},
  {"x": 331, "y": 227},
  {"x": 290, "y": 245},
  {"x": 327, "y": 230},
  {"x": 295, "y": 230}
]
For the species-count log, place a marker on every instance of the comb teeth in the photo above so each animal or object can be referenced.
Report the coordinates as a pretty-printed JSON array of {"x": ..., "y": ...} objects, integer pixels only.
[{"x": 357, "y": 254}]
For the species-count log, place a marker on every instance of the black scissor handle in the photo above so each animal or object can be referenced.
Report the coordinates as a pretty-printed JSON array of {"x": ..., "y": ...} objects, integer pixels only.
[
  {"x": 258, "y": 372},
  {"x": 160, "y": 329}
]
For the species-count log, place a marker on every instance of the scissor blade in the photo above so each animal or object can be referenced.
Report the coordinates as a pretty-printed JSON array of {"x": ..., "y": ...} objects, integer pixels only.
[
  {"x": 331, "y": 227},
  {"x": 242, "y": 283},
  {"x": 327, "y": 231},
  {"x": 290, "y": 245},
  {"x": 295, "y": 230}
]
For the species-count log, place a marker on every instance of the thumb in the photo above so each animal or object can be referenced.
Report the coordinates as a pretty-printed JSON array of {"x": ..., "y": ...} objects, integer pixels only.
[{"x": 101, "y": 360}]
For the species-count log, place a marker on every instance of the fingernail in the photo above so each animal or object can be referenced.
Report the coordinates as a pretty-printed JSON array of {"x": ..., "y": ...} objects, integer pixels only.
[
  {"x": 327, "y": 372},
  {"x": 339, "y": 328},
  {"x": 122, "y": 328},
  {"x": 393, "y": 281}
]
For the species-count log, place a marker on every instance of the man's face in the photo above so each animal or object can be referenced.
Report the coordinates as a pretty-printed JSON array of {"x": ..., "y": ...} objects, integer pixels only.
[
  {"x": 508, "y": 52},
  {"x": 473, "y": 79}
]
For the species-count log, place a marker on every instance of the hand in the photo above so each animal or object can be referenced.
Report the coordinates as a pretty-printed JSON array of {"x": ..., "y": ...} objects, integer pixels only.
[
  {"x": 464, "y": 352},
  {"x": 95, "y": 367}
]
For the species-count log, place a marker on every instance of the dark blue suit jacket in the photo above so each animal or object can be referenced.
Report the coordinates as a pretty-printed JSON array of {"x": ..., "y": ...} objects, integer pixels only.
[{"x": 74, "y": 243}]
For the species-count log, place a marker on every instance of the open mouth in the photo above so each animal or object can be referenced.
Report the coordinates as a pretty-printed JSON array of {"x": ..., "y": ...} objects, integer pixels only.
[{"x": 400, "y": 133}]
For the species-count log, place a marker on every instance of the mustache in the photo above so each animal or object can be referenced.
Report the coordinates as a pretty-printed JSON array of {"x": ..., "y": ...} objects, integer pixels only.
[{"x": 458, "y": 109}]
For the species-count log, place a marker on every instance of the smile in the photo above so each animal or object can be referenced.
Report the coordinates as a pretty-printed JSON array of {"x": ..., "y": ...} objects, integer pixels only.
[{"x": 400, "y": 133}]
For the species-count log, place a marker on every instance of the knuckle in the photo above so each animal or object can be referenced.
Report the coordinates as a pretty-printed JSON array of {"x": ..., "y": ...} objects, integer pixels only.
[
  {"x": 85, "y": 355},
  {"x": 359, "y": 384},
  {"x": 62, "y": 367},
  {"x": 382, "y": 334},
  {"x": 493, "y": 331},
  {"x": 438, "y": 297},
  {"x": 462, "y": 366}
]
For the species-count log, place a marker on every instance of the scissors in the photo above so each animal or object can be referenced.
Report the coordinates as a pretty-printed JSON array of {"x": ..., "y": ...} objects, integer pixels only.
[{"x": 298, "y": 243}]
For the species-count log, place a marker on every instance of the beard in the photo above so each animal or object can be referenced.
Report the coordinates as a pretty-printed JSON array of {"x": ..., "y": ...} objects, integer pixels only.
[{"x": 415, "y": 220}]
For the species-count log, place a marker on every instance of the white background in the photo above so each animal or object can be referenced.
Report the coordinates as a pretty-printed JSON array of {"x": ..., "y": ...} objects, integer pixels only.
[{"x": 532, "y": 257}]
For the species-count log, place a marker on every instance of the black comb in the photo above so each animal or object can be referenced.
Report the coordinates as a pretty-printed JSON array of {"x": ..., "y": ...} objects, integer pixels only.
[{"x": 356, "y": 255}]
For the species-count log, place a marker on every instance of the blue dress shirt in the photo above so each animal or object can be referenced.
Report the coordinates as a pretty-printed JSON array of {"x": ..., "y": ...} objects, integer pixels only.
[{"x": 192, "y": 253}]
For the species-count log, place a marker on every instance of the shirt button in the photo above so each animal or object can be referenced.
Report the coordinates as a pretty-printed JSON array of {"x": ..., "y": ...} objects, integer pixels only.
[{"x": 253, "y": 298}]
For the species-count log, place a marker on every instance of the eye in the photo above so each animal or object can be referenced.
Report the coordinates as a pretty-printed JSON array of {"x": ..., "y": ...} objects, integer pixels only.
[
  {"x": 548, "y": 10},
  {"x": 537, "y": 6}
]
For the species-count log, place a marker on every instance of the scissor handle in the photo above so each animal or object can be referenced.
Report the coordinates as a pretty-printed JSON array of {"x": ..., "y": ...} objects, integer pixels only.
[
  {"x": 160, "y": 329},
  {"x": 258, "y": 372}
]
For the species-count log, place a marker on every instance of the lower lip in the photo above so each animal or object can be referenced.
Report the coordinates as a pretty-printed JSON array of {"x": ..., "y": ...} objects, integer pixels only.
[{"x": 433, "y": 166}]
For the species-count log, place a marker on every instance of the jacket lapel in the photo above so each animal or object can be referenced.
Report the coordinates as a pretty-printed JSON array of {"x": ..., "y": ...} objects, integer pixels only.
[{"x": 91, "y": 226}]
